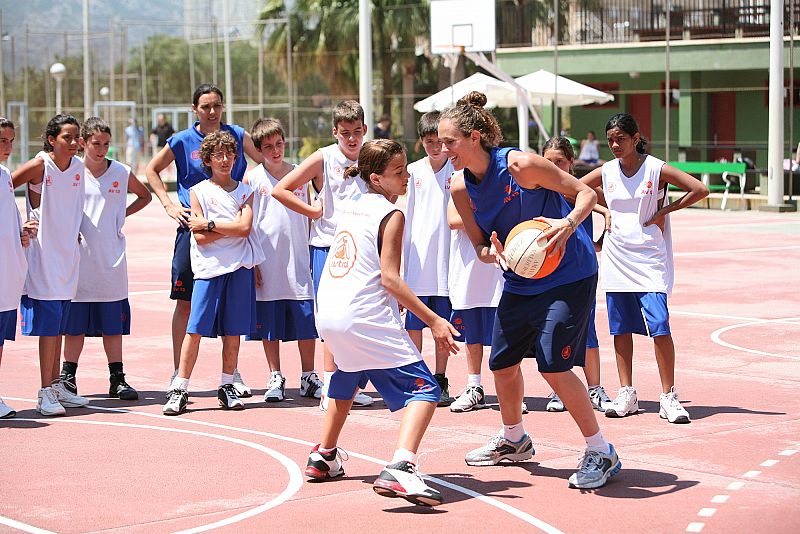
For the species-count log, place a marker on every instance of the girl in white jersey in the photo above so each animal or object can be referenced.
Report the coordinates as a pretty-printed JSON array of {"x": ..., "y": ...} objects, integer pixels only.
[
  {"x": 637, "y": 268},
  {"x": 357, "y": 314},
  {"x": 223, "y": 256},
  {"x": 14, "y": 237},
  {"x": 284, "y": 295},
  {"x": 100, "y": 307},
  {"x": 55, "y": 188}
]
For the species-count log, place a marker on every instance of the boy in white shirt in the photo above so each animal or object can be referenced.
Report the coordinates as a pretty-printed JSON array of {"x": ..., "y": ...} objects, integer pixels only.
[
  {"x": 284, "y": 291},
  {"x": 426, "y": 245}
]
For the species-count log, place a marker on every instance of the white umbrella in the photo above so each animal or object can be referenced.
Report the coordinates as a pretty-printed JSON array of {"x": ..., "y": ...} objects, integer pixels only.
[
  {"x": 541, "y": 86},
  {"x": 498, "y": 94}
]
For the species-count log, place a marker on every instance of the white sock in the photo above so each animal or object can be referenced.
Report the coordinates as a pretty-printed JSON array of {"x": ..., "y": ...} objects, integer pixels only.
[
  {"x": 179, "y": 383},
  {"x": 323, "y": 450},
  {"x": 276, "y": 373},
  {"x": 514, "y": 433},
  {"x": 474, "y": 380},
  {"x": 404, "y": 455},
  {"x": 597, "y": 443},
  {"x": 226, "y": 379}
]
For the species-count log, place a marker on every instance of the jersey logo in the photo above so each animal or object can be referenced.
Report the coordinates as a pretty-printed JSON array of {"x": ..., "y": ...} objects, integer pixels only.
[
  {"x": 612, "y": 186},
  {"x": 417, "y": 183},
  {"x": 115, "y": 184},
  {"x": 263, "y": 191},
  {"x": 566, "y": 352},
  {"x": 77, "y": 177},
  {"x": 447, "y": 184},
  {"x": 49, "y": 180},
  {"x": 195, "y": 154},
  {"x": 114, "y": 187},
  {"x": 648, "y": 188},
  {"x": 212, "y": 201},
  {"x": 344, "y": 255},
  {"x": 338, "y": 171}
]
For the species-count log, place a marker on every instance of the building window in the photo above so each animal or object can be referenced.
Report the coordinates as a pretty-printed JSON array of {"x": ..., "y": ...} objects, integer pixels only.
[
  {"x": 674, "y": 94},
  {"x": 607, "y": 87}
]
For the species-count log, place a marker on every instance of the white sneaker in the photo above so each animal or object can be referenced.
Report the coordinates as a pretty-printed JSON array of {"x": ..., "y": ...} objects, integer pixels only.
[
  {"x": 47, "y": 403},
  {"x": 362, "y": 399},
  {"x": 471, "y": 399},
  {"x": 242, "y": 389},
  {"x": 555, "y": 404},
  {"x": 6, "y": 411},
  {"x": 403, "y": 480},
  {"x": 524, "y": 407},
  {"x": 670, "y": 408},
  {"x": 311, "y": 386},
  {"x": 66, "y": 398},
  {"x": 600, "y": 400},
  {"x": 626, "y": 403},
  {"x": 276, "y": 388}
]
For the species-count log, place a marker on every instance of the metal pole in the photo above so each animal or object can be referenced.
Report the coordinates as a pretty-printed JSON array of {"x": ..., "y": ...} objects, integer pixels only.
[
  {"x": 213, "y": 51},
  {"x": 226, "y": 42},
  {"x": 87, "y": 80},
  {"x": 555, "y": 69},
  {"x": 667, "y": 89},
  {"x": 791, "y": 99},
  {"x": 290, "y": 87},
  {"x": 144, "y": 89},
  {"x": 123, "y": 46},
  {"x": 2, "y": 70},
  {"x": 261, "y": 74},
  {"x": 58, "y": 96},
  {"x": 192, "y": 83},
  {"x": 25, "y": 86},
  {"x": 365, "y": 62},
  {"x": 112, "y": 85},
  {"x": 775, "y": 150}
]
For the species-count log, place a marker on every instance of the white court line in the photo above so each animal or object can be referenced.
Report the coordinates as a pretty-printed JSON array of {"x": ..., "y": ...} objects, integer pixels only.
[
  {"x": 787, "y": 452},
  {"x": 147, "y": 292},
  {"x": 716, "y": 337},
  {"x": 768, "y": 463},
  {"x": 751, "y": 474},
  {"x": 707, "y": 512},
  {"x": 295, "y": 477},
  {"x": 695, "y": 527},
  {"x": 720, "y": 499},
  {"x": 737, "y": 224},
  {"x": 733, "y": 250},
  {"x": 733, "y": 486},
  {"x": 22, "y": 526}
]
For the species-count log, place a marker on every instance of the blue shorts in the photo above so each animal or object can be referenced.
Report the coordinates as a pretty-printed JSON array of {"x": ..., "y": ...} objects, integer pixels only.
[
  {"x": 550, "y": 326},
  {"x": 182, "y": 275},
  {"x": 475, "y": 324},
  {"x": 224, "y": 305},
  {"x": 591, "y": 333},
  {"x": 318, "y": 256},
  {"x": 398, "y": 385},
  {"x": 96, "y": 319},
  {"x": 8, "y": 326},
  {"x": 439, "y": 305},
  {"x": 43, "y": 317},
  {"x": 284, "y": 320},
  {"x": 638, "y": 313}
]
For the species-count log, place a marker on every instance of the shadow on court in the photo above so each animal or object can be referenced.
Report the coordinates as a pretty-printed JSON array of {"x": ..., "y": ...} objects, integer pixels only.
[{"x": 701, "y": 412}]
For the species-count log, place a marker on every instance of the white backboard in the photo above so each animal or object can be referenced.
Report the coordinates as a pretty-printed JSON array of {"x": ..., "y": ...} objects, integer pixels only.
[{"x": 462, "y": 23}]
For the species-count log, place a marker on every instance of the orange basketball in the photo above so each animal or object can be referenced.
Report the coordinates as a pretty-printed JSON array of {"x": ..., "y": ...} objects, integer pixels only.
[{"x": 525, "y": 250}]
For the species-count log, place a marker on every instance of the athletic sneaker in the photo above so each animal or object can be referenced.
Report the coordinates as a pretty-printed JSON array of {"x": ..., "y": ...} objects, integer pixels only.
[
  {"x": 120, "y": 389},
  {"x": 228, "y": 397},
  {"x": 444, "y": 398},
  {"x": 6, "y": 411},
  {"x": 323, "y": 466},
  {"x": 66, "y": 398},
  {"x": 670, "y": 408},
  {"x": 176, "y": 402},
  {"x": 626, "y": 403},
  {"x": 403, "y": 480},
  {"x": 524, "y": 407},
  {"x": 242, "y": 389},
  {"x": 276, "y": 388},
  {"x": 595, "y": 469},
  {"x": 600, "y": 400},
  {"x": 47, "y": 403},
  {"x": 69, "y": 381},
  {"x": 499, "y": 448},
  {"x": 311, "y": 386},
  {"x": 362, "y": 399},
  {"x": 555, "y": 404},
  {"x": 471, "y": 399}
]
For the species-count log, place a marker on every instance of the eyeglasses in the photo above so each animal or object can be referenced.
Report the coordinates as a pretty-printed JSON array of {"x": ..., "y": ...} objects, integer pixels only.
[{"x": 221, "y": 155}]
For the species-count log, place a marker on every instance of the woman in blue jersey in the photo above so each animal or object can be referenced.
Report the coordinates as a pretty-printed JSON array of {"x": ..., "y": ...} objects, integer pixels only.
[{"x": 544, "y": 318}]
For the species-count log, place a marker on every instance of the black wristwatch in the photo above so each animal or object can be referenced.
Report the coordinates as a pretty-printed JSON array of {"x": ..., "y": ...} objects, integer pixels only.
[{"x": 211, "y": 225}]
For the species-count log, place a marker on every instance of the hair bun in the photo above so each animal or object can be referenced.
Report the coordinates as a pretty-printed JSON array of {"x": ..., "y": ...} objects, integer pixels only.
[{"x": 474, "y": 98}]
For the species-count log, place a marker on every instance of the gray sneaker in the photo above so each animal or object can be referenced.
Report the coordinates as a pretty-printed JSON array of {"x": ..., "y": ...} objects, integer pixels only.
[
  {"x": 471, "y": 399},
  {"x": 499, "y": 448},
  {"x": 555, "y": 404},
  {"x": 600, "y": 399},
  {"x": 595, "y": 469}
]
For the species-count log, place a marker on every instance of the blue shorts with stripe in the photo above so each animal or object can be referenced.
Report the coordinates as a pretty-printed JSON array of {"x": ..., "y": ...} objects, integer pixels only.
[
  {"x": 318, "y": 256},
  {"x": 475, "y": 325},
  {"x": 638, "y": 313},
  {"x": 439, "y": 305},
  {"x": 397, "y": 385},
  {"x": 591, "y": 333},
  {"x": 43, "y": 317},
  {"x": 96, "y": 319},
  {"x": 224, "y": 305},
  {"x": 8, "y": 326},
  {"x": 284, "y": 320},
  {"x": 182, "y": 276}
]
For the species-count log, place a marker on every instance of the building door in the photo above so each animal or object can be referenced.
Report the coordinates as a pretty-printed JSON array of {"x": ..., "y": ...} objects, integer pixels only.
[
  {"x": 641, "y": 108},
  {"x": 722, "y": 125}
]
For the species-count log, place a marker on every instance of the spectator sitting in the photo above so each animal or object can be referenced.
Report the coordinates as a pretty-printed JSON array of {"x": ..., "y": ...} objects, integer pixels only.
[
  {"x": 383, "y": 130},
  {"x": 590, "y": 152}
]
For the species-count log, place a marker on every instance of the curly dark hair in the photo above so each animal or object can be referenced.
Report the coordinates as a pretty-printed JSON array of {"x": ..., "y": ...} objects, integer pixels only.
[{"x": 214, "y": 142}]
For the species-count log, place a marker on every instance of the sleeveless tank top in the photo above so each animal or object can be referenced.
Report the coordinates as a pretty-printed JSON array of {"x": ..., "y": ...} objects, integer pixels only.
[{"x": 13, "y": 265}]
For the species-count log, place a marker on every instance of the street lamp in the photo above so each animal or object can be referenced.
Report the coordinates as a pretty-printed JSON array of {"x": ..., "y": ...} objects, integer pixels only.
[{"x": 58, "y": 71}]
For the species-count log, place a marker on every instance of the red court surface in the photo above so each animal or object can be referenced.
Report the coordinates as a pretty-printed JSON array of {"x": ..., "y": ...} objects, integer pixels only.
[{"x": 120, "y": 466}]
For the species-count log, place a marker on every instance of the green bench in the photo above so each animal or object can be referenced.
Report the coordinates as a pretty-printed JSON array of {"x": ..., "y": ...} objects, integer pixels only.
[{"x": 728, "y": 171}]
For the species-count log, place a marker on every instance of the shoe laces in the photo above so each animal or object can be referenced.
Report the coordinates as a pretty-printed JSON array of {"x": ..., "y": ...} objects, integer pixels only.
[
  {"x": 174, "y": 395},
  {"x": 590, "y": 461},
  {"x": 672, "y": 400},
  {"x": 275, "y": 381},
  {"x": 495, "y": 441},
  {"x": 51, "y": 394},
  {"x": 230, "y": 391},
  {"x": 313, "y": 378}
]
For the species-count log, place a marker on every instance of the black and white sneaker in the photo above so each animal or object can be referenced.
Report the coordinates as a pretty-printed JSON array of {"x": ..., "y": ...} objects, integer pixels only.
[
  {"x": 499, "y": 448},
  {"x": 229, "y": 398},
  {"x": 120, "y": 389},
  {"x": 177, "y": 399},
  {"x": 324, "y": 466},
  {"x": 403, "y": 480},
  {"x": 69, "y": 382},
  {"x": 276, "y": 388},
  {"x": 471, "y": 399},
  {"x": 311, "y": 386}
]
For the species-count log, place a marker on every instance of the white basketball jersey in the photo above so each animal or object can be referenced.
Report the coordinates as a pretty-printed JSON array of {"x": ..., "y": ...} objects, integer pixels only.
[
  {"x": 104, "y": 267},
  {"x": 357, "y": 317},
  {"x": 13, "y": 265},
  {"x": 473, "y": 283},
  {"x": 228, "y": 253},
  {"x": 54, "y": 254},
  {"x": 636, "y": 258},
  {"x": 335, "y": 188},
  {"x": 283, "y": 235},
  {"x": 426, "y": 243}
]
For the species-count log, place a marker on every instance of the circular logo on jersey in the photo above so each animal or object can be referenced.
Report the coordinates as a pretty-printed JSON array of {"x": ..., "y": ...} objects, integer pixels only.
[
  {"x": 343, "y": 255},
  {"x": 77, "y": 177},
  {"x": 649, "y": 184},
  {"x": 566, "y": 352},
  {"x": 612, "y": 186},
  {"x": 115, "y": 184},
  {"x": 196, "y": 154},
  {"x": 338, "y": 171},
  {"x": 263, "y": 191},
  {"x": 212, "y": 201}
]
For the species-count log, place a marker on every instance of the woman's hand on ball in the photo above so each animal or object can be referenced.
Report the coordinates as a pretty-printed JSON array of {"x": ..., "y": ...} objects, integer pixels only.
[{"x": 557, "y": 235}]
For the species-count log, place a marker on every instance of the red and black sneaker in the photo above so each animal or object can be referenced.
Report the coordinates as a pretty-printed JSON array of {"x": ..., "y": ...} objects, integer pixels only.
[
  {"x": 324, "y": 466},
  {"x": 403, "y": 480}
]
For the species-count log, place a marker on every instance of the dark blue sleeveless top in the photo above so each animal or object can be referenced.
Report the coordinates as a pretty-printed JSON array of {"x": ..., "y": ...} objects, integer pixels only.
[{"x": 499, "y": 204}]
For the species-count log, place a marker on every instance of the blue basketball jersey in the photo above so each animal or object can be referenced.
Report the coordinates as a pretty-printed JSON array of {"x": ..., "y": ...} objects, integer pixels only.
[
  {"x": 185, "y": 146},
  {"x": 499, "y": 204}
]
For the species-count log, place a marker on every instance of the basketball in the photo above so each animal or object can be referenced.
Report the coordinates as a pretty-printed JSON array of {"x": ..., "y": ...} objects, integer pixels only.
[{"x": 525, "y": 250}]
